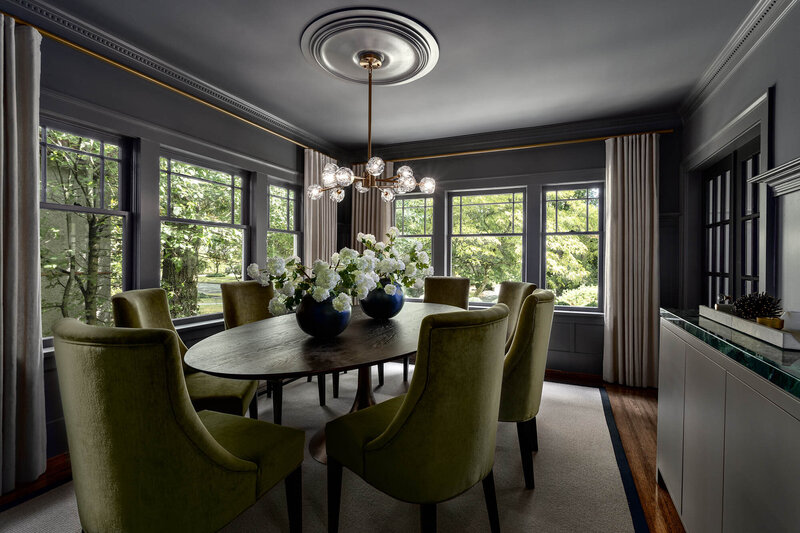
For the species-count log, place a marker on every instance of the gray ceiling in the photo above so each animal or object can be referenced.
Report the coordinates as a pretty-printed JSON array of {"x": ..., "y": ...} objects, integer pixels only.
[{"x": 503, "y": 64}]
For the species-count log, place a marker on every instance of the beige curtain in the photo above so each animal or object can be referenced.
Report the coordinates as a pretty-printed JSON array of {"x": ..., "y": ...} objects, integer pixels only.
[
  {"x": 319, "y": 216},
  {"x": 23, "y": 441},
  {"x": 370, "y": 213},
  {"x": 630, "y": 354}
]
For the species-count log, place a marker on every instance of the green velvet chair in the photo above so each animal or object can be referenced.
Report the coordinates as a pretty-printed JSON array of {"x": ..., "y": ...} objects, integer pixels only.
[
  {"x": 244, "y": 302},
  {"x": 513, "y": 293},
  {"x": 142, "y": 458},
  {"x": 148, "y": 308},
  {"x": 438, "y": 440},
  {"x": 523, "y": 374}
]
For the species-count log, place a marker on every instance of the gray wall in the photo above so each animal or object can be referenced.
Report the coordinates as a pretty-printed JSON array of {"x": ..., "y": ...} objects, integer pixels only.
[{"x": 772, "y": 63}]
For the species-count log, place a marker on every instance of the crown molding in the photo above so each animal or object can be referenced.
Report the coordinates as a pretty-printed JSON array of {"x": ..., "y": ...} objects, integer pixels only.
[
  {"x": 501, "y": 139},
  {"x": 93, "y": 38},
  {"x": 756, "y": 26},
  {"x": 783, "y": 179}
]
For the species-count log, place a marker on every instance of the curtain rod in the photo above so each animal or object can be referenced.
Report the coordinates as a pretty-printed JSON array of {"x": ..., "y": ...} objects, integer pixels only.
[
  {"x": 151, "y": 79},
  {"x": 524, "y": 146}
]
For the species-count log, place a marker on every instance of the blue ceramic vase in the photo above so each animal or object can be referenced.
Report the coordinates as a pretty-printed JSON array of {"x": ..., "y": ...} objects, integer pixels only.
[
  {"x": 320, "y": 319},
  {"x": 383, "y": 306}
]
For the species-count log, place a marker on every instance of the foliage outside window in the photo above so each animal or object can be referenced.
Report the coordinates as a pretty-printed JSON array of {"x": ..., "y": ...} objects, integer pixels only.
[
  {"x": 413, "y": 217},
  {"x": 572, "y": 241},
  {"x": 283, "y": 231},
  {"x": 81, "y": 227},
  {"x": 485, "y": 240},
  {"x": 202, "y": 235}
]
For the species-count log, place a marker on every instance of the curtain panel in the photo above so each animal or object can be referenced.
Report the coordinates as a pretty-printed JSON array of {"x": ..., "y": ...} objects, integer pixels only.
[
  {"x": 23, "y": 442},
  {"x": 631, "y": 287},
  {"x": 370, "y": 213},
  {"x": 319, "y": 216}
]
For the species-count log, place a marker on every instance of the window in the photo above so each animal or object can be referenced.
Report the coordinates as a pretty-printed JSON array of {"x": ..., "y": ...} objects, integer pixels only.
[
  {"x": 413, "y": 217},
  {"x": 283, "y": 228},
  {"x": 487, "y": 230},
  {"x": 83, "y": 219},
  {"x": 730, "y": 225},
  {"x": 202, "y": 235},
  {"x": 573, "y": 240}
]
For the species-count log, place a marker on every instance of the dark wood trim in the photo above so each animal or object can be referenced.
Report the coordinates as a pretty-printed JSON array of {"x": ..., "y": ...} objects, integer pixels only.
[
  {"x": 573, "y": 378},
  {"x": 58, "y": 471}
]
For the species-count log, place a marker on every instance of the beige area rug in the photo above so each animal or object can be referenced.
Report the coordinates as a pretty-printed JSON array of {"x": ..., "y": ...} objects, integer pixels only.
[{"x": 578, "y": 483}]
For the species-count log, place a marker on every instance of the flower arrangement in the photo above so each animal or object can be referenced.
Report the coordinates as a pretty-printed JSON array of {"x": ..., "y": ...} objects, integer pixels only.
[{"x": 348, "y": 274}]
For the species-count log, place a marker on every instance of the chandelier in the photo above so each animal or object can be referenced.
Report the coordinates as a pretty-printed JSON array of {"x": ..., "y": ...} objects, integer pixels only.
[{"x": 335, "y": 178}]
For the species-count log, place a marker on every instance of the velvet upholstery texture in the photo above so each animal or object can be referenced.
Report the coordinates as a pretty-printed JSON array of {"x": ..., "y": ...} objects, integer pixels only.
[
  {"x": 244, "y": 302},
  {"x": 513, "y": 293},
  {"x": 149, "y": 308},
  {"x": 447, "y": 290},
  {"x": 437, "y": 440},
  {"x": 142, "y": 458},
  {"x": 525, "y": 362}
]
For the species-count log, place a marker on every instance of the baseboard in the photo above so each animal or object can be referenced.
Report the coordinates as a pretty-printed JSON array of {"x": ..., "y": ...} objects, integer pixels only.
[
  {"x": 58, "y": 471},
  {"x": 574, "y": 378}
]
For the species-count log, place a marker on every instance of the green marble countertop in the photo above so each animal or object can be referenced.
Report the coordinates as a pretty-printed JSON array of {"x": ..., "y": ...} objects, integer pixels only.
[{"x": 781, "y": 367}]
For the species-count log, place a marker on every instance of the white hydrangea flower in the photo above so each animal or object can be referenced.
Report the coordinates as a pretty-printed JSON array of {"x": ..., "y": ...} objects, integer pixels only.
[
  {"x": 365, "y": 264},
  {"x": 390, "y": 289},
  {"x": 369, "y": 253},
  {"x": 373, "y": 276},
  {"x": 366, "y": 238},
  {"x": 277, "y": 306},
  {"x": 405, "y": 258},
  {"x": 418, "y": 246},
  {"x": 380, "y": 246},
  {"x": 362, "y": 291},
  {"x": 319, "y": 265},
  {"x": 334, "y": 258},
  {"x": 428, "y": 271},
  {"x": 359, "y": 236},
  {"x": 327, "y": 279},
  {"x": 342, "y": 302},
  {"x": 276, "y": 266},
  {"x": 348, "y": 254},
  {"x": 263, "y": 279},
  {"x": 294, "y": 258},
  {"x": 393, "y": 232},
  {"x": 422, "y": 257},
  {"x": 288, "y": 288},
  {"x": 253, "y": 271},
  {"x": 320, "y": 294},
  {"x": 411, "y": 269},
  {"x": 419, "y": 283}
]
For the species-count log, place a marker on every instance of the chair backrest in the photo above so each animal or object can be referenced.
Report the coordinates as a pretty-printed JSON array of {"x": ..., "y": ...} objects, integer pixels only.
[
  {"x": 447, "y": 290},
  {"x": 442, "y": 440},
  {"x": 523, "y": 370},
  {"x": 513, "y": 293},
  {"x": 244, "y": 302},
  {"x": 140, "y": 455},
  {"x": 144, "y": 308}
]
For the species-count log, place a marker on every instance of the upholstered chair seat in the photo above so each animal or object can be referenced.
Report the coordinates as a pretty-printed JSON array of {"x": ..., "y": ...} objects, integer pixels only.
[
  {"x": 523, "y": 374},
  {"x": 513, "y": 293},
  {"x": 142, "y": 458},
  {"x": 149, "y": 308},
  {"x": 438, "y": 440}
]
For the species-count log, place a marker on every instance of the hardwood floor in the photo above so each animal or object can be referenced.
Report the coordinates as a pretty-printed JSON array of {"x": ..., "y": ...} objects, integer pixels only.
[{"x": 636, "y": 416}]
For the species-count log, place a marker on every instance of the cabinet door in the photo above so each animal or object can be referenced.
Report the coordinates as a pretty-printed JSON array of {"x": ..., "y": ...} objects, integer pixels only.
[
  {"x": 703, "y": 443},
  {"x": 671, "y": 372},
  {"x": 762, "y": 463}
]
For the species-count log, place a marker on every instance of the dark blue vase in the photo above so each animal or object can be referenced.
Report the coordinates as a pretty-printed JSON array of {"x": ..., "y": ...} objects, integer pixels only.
[
  {"x": 382, "y": 306},
  {"x": 320, "y": 319}
]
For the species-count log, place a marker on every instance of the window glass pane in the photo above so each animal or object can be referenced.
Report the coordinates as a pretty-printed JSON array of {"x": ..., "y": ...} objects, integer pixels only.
[
  {"x": 281, "y": 192},
  {"x": 200, "y": 200},
  {"x": 487, "y": 218},
  {"x": 594, "y": 193},
  {"x": 163, "y": 196},
  {"x": 726, "y": 196},
  {"x": 196, "y": 171},
  {"x": 111, "y": 150},
  {"x": 573, "y": 194},
  {"x": 710, "y": 202},
  {"x": 572, "y": 215},
  {"x": 72, "y": 178},
  {"x": 277, "y": 212},
  {"x": 112, "y": 184},
  {"x": 594, "y": 215},
  {"x": 163, "y": 163},
  {"x": 550, "y": 196},
  {"x": 81, "y": 261},
  {"x": 281, "y": 244},
  {"x": 195, "y": 260},
  {"x": 75, "y": 142},
  {"x": 550, "y": 212},
  {"x": 486, "y": 261},
  {"x": 572, "y": 269},
  {"x": 292, "y": 216}
]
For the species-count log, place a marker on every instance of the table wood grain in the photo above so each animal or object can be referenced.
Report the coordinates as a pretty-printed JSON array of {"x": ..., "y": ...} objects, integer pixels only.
[{"x": 276, "y": 348}]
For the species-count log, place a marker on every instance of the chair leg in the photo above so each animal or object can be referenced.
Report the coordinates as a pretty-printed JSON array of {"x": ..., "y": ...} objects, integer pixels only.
[
  {"x": 277, "y": 401},
  {"x": 335, "y": 376},
  {"x": 254, "y": 407},
  {"x": 405, "y": 369},
  {"x": 269, "y": 389},
  {"x": 380, "y": 374},
  {"x": 321, "y": 385},
  {"x": 526, "y": 452},
  {"x": 491, "y": 502},
  {"x": 334, "y": 493},
  {"x": 534, "y": 436},
  {"x": 427, "y": 518},
  {"x": 308, "y": 380},
  {"x": 294, "y": 500}
]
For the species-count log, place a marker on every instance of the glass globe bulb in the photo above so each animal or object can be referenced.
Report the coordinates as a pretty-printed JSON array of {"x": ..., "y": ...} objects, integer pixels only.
[
  {"x": 375, "y": 166},
  {"x": 406, "y": 184},
  {"x": 360, "y": 187},
  {"x": 314, "y": 192},
  {"x": 344, "y": 176},
  {"x": 337, "y": 195},
  {"x": 387, "y": 195},
  {"x": 427, "y": 185},
  {"x": 405, "y": 172},
  {"x": 329, "y": 175}
]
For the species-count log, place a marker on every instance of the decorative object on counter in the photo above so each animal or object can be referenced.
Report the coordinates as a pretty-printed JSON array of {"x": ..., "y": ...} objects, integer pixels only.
[
  {"x": 724, "y": 303},
  {"x": 770, "y": 321},
  {"x": 787, "y": 340},
  {"x": 757, "y": 304}
]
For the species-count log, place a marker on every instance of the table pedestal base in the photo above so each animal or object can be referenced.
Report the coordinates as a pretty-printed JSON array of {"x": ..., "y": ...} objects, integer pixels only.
[{"x": 364, "y": 398}]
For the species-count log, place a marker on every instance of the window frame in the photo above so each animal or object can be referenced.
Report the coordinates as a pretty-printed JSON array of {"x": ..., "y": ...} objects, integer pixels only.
[
  {"x": 601, "y": 237},
  {"x": 449, "y": 234},
  {"x": 298, "y": 213}
]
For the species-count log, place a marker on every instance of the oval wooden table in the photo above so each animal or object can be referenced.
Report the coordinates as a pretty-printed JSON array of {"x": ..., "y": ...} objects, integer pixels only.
[{"x": 276, "y": 348}]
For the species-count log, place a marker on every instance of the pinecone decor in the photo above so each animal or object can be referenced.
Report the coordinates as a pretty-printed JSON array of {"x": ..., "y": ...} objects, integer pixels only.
[{"x": 757, "y": 304}]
